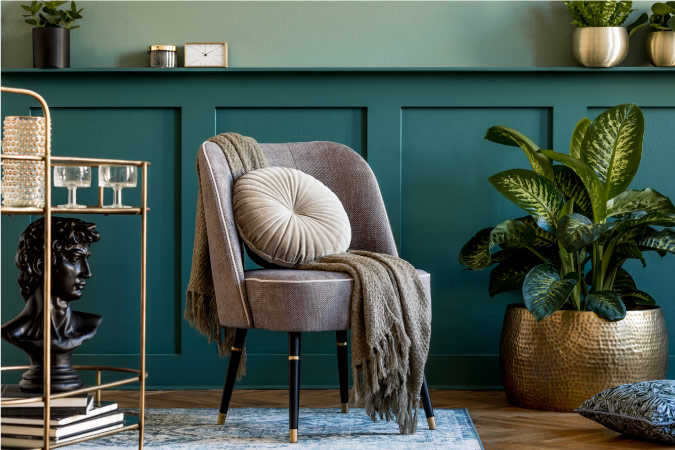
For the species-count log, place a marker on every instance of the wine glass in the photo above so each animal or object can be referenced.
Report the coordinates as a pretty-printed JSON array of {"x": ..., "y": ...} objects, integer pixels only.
[
  {"x": 72, "y": 177},
  {"x": 117, "y": 177}
]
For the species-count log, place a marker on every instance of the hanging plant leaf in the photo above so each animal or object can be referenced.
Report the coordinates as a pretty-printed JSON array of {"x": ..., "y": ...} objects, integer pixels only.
[
  {"x": 647, "y": 200},
  {"x": 473, "y": 254},
  {"x": 578, "y": 137},
  {"x": 637, "y": 297},
  {"x": 594, "y": 187},
  {"x": 509, "y": 275},
  {"x": 534, "y": 193},
  {"x": 570, "y": 184},
  {"x": 576, "y": 231},
  {"x": 544, "y": 292},
  {"x": 508, "y": 136},
  {"x": 623, "y": 281},
  {"x": 660, "y": 240},
  {"x": 606, "y": 304},
  {"x": 612, "y": 147}
]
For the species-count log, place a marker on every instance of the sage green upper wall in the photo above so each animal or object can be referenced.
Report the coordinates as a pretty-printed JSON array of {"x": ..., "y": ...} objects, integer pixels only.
[{"x": 321, "y": 34}]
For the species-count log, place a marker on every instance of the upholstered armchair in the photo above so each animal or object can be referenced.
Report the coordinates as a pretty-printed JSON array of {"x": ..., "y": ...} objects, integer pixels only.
[{"x": 293, "y": 301}]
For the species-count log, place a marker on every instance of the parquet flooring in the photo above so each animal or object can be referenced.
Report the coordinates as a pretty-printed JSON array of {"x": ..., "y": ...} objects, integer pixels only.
[{"x": 500, "y": 425}]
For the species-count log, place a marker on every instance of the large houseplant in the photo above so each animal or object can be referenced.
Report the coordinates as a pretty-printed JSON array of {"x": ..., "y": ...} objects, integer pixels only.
[
  {"x": 51, "y": 32},
  {"x": 567, "y": 256},
  {"x": 599, "y": 39}
]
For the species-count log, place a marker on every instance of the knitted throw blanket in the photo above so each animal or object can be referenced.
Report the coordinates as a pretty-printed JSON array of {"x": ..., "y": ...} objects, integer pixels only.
[
  {"x": 390, "y": 313},
  {"x": 243, "y": 155}
]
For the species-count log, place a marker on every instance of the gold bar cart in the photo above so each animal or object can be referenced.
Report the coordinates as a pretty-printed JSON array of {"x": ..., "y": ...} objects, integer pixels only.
[{"x": 47, "y": 211}]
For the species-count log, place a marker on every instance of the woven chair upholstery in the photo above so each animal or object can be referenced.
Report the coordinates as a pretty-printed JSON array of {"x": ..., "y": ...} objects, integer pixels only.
[{"x": 287, "y": 299}]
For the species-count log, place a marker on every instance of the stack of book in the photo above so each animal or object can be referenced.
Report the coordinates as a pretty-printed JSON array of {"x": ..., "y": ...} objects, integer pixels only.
[{"x": 72, "y": 418}]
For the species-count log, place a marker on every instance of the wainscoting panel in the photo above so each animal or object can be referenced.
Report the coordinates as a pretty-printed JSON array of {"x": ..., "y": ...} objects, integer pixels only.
[{"x": 421, "y": 131}]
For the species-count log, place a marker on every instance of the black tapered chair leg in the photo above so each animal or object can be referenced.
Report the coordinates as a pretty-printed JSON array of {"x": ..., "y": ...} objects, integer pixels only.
[
  {"x": 426, "y": 402},
  {"x": 293, "y": 384},
  {"x": 343, "y": 368},
  {"x": 233, "y": 365}
]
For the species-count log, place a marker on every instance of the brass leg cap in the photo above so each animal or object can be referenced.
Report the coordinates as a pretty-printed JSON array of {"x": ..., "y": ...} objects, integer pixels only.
[
  {"x": 432, "y": 422},
  {"x": 294, "y": 435},
  {"x": 221, "y": 418},
  {"x": 345, "y": 408}
]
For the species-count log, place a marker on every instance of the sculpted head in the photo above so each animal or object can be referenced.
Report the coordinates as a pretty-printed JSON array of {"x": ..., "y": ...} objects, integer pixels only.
[{"x": 71, "y": 239}]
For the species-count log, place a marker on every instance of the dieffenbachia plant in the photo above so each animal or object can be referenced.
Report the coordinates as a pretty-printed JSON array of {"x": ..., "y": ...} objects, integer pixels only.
[{"x": 583, "y": 221}]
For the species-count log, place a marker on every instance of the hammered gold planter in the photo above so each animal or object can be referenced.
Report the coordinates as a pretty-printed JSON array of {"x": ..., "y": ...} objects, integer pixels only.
[{"x": 572, "y": 355}]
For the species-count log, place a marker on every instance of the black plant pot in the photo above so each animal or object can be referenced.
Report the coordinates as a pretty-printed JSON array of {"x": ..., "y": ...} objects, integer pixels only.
[{"x": 51, "y": 47}]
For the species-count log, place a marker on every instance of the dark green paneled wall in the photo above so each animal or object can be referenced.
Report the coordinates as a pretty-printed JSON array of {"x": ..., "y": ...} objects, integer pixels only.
[{"x": 420, "y": 130}]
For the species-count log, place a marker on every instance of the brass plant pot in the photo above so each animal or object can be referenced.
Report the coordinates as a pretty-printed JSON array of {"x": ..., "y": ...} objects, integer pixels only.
[
  {"x": 661, "y": 48},
  {"x": 600, "y": 46},
  {"x": 570, "y": 356}
]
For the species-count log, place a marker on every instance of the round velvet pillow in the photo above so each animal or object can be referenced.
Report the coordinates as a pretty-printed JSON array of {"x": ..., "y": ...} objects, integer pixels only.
[{"x": 288, "y": 217}]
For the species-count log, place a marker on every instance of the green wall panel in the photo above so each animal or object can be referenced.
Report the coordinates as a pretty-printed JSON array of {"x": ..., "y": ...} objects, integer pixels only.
[
  {"x": 422, "y": 132},
  {"x": 447, "y": 198}
]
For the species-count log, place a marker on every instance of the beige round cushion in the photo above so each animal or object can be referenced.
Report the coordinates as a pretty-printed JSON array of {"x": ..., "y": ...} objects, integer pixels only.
[{"x": 288, "y": 217}]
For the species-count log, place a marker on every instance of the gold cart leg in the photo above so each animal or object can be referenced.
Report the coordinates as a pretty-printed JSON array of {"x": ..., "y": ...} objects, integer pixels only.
[
  {"x": 98, "y": 392},
  {"x": 144, "y": 230}
]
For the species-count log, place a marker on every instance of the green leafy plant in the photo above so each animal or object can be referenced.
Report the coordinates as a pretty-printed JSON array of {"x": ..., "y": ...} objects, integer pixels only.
[
  {"x": 47, "y": 14},
  {"x": 599, "y": 13},
  {"x": 662, "y": 18},
  {"x": 583, "y": 223}
]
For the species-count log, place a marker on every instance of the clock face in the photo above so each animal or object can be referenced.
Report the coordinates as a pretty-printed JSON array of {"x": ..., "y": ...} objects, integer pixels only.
[{"x": 205, "y": 54}]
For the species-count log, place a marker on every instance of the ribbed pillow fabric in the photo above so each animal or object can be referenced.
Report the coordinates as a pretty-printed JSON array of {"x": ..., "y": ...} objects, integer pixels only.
[{"x": 288, "y": 217}]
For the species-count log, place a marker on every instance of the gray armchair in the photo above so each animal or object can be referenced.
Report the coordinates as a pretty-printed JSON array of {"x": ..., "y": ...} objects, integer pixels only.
[{"x": 293, "y": 301}]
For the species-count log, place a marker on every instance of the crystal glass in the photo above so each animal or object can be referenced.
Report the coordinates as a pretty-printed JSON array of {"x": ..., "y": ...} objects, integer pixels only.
[
  {"x": 23, "y": 181},
  {"x": 117, "y": 177},
  {"x": 72, "y": 177}
]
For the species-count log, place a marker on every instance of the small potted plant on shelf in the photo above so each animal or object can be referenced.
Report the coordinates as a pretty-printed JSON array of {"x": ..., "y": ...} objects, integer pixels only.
[
  {"x": 584, "y": 326},
  {"x": 599, "y": 40},
  {"x": 661, "y": 40},
  {"x": 51, "y": 35}
]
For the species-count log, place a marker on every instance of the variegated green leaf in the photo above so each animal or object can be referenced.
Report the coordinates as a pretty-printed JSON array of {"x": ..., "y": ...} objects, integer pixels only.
[
  {"x": 578, "y": 137},
  {"x": 627, "y": 250},
  {"x": 544, "y": 292},
  {"x": 534, "y": 193},
  {"x": 509, "y": 275},
  {"x": 637, "y": 297},
  {"x": 571, "y": 185},
  {"x": 543, "y": 239},
  {"x": 606, "y": 304},
  {"x": 661, "y": 240},
  {"x": 647, "y": 200},
  {"x": 476, "y": 254},
  {"x": 632, "y": 226},
  {"x": 508, "y": 136},
  {"x": 594, "y": 188},
  {"x": 623, "y": 281},
  {"x": 612, "y": 147},
  {"x": 473, "y": 253},
  {"x": 576, "y": 231}
]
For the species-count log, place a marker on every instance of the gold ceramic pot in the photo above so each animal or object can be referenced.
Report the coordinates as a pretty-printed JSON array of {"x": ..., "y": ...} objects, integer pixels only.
[
  {"x": 661, "y": 48},
  {"x": 570, "y": 356},
  {"x": 600, "y": 46}
]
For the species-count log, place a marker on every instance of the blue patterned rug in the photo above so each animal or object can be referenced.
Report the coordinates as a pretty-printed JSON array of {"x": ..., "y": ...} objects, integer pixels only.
[{"x": 260, "y": 428}]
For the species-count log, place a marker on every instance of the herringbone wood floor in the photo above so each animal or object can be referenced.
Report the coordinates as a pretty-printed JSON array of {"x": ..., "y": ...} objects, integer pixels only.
[{"x": 500, "y": 425}]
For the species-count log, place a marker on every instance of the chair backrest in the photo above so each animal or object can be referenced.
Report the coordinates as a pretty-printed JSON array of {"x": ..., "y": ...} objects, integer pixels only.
[{"x": 337, "y": 166}]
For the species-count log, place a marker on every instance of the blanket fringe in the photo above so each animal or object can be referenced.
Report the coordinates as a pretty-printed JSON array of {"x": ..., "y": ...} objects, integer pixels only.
[
  {"x": 381, "y": 382},
  {"x": 201, "y": 311}
]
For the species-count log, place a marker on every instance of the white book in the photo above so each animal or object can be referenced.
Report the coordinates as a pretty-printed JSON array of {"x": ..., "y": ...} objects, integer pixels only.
[
  {"x": 36, "y": 442},
  {"x": 56, "y": 422},
  {"x": 66, "y": 430}
]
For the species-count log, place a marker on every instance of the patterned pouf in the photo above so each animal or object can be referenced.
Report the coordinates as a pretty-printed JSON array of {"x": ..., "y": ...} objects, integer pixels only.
[{"x": 260, "y": 428}]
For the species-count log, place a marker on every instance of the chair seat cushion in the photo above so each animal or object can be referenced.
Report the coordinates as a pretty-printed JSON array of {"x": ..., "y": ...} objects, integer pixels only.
[
  {"x": 303, "y": 300},
  {"x": 288, "y": 217}
]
